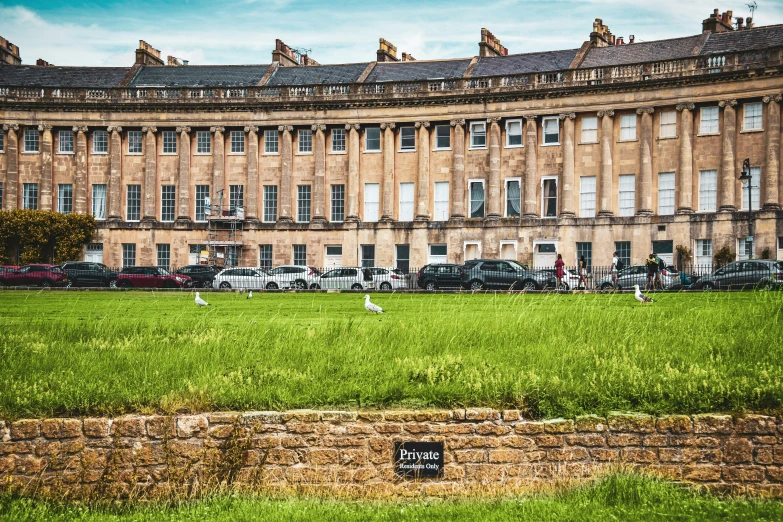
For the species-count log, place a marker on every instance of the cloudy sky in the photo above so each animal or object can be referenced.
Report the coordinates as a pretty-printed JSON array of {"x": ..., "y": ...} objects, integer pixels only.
[{"x": 106, "y": 32}]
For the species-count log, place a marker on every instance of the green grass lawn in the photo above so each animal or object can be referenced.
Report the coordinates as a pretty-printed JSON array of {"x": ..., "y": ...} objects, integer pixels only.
[
  {"x": 77, "y": 353},
  {"x": 621, "y": 497}
]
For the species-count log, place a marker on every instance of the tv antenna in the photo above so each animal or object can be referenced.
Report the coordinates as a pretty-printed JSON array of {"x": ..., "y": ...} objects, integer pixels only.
[
  {"x": 299, "y": 51},
  {"x": 752, "y": 6}
]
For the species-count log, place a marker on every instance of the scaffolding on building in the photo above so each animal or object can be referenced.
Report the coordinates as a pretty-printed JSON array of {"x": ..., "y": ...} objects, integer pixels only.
[{"x": 224, "y": 231}]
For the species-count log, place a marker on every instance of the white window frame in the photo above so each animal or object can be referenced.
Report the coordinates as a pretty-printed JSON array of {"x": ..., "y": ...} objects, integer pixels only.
[
  {"x": 27, "y": 200},
  {"x": 583, "y": 193},
  {"x": 372, "y": 208},
  {"x": 303, "y": 249},
  {"x": 448, "y": 134},
  {"x": 505, "y": 194},
  {"x": 557, "y": 196},
  {"x": 69, "y": 140},
  {"x": 232, "y": 142},
  {"x": 264, "y": 203},
  {"x": 127, "y": 202},
  {"x": 333, "y": 134},
  {"x": 753, "y": 117},
  {"x": 624, "y": 211},
  {"x": 332, "y": 202},
  {"x": 544, "y": 133},
  {"x": 465, "y": 245},
  {"x": 433, "y": 258},
  {"x": 407, "y": 149},
  {"x": 300, "y": 216},
  {"x": 755, "y": 189},
  {"x": 163, "y": 248},
  {"x": 699, "y": 256},
  {"x": 713, "y": 192},
  {"x": 709, "y": 132},
  {"x": 439, "y": 204},
  {"x": 668, "y": 129},
  {"x": 268, "y": 142},
  {"x": 484, "y": 188},
  {"x": 127, "y": 249},
  {"x": 99, "y": 216},
  {"x": 60, "y": 200},
  {"x": 404, "y": 210},
  {"x": 367, "y": 149},
  {"x": 304, "y": 142},
  {"x": 195, "y": 204},
  {"x": 200, "y": 143},
  {"x": 628, "y": 127},
  {"x": 37, "y": 140},
  {"x": 173, "y": 203},
  {"x": 672, "y": 190},
  {"x": 521, "y": 134},
  {"x": 582, "y": 138},
  {"x": 166, "y": 141},
  {"x": 135, "y": 138},
  {"x": 471, "y": 127}
]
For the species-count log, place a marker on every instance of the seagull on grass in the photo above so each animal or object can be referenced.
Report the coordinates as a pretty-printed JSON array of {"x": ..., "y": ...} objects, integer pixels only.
[
  {"x": 641, "y": 297},
  {"x": 200, "y": 302},
  {"x": 249, "y": 294},
  {"x": 371, "y": 307}
]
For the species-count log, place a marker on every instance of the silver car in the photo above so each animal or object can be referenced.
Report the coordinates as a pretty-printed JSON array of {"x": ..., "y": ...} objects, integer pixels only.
[
  {"x": 635, "y": 275},
  {"x": 351, "y": 278},
  {"x": 755, "y": 273},
  {"x": 247, "y": 278}
]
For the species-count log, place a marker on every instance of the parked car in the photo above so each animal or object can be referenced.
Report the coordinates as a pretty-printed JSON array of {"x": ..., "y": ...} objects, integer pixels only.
[
  {"x": 241, "y": 277},
  {"x": 151, "y": 277},
  {"x": 570, "y": 279},
  {"x": 202, "y": 275},
  {"x": 637, "y": 275},
  {"x": 389, "y": 278},
  {"x": 503, "y": 274},
  {"x": 83, "y": 273},
  {"x": 756, "y": 273},
  {"x": 35, "y": 275},
  {"x": 7, "y": 268},
  {"x": 292, "y": 276},
  {"x": 439, "y": 275},
  {"x": 351, "y": 278}
]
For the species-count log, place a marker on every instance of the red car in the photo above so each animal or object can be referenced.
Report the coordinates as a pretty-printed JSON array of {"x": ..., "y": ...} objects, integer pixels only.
[
  {"x": 151, "y": 277},
  {"x": 34, "y": 275}
]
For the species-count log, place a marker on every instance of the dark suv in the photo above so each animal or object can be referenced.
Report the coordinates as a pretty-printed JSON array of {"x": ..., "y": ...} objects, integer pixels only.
[
  {"x": 83, "y": 273},
  {"x": 503, "y": 274},
  {"x": 754, "y": 273},
  {"x": 438, "y": 275},
  {"x": 202, "y": 275}
]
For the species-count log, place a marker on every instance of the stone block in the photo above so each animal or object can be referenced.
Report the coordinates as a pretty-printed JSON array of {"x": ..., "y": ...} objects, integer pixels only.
[
  {"x": 515, "y": 441},
  {"x": 322, "y": 457},
  {"x": 262, "y": 417},
  {"x": 7, "y": 464},
  {"x": 549, "y": 441},
  {"x": 775, "y": 473},
  {"x": 631, "y": 422},
  {"x": 702, "y": 472},
  {"x": 590, "y": 423},
  {"x": 192, "y": 426},
  {"x": 282, "y": 457},
  {"x": 481, "y": 414},
  {"x": 708, "y": 442},
  {"x": 161, "y": 427},
  {"x": 187, "y": 449},
  {"x": 364, "y": 474},
  {"x": 665, "y": 471},
  {"x": 559, "y": 426},
  {"x": 762, "y": 455},
  {"x": 623, "y": 439},
  {"x": 743, "y": 473},
  {"x": 682, "y": 440},
  {"x": 529, "y": 428},
  {"x": 97, "y": 427},
  {"x": 485, "y": 472},
  {"x": 587, "y": 439},
  {"x": 675, "y": 424},
  {"x": 221, "y": 431},
  {"x": 416, "y": 428},
  {"x": 358, "y": 429},
  {"x": 25, "y": 429},
  {"x": 353, "y": 456},
  {"x": 764, "y": 439},
  {"x": 708, "y": 423},
  {"x": 61, "y": 428},
  {"x": 639, "y": 455},
  {"x": 14, "y": 448},
  {"x": 755, "y": 424},
  {"x": 453, "y": 472},
  {"x": 370, "y": 416},
  {"x": 566, "y": 454},
  {"x": 678, "y": 455},
  {"x": 655, "y": 440},
  {"x": 339, "y": 416},
  {"x": 737, "y": 451},
  {"x": 150, "y": 453},
  {"x": 506, "y": 456},
  {"x": 471, "y": 442},
  {"x": 301, "y": 416},
  {"x": 463, "y": 456},
  {"x": 129, "y": 426},
  {"x": 488, "y": 428},
  {"x": 605, "y": 455},
  {"x": 389, "y": 428},
  {"x": 453, "y": 429},
  {"x": 293, "y": 442},
  {"x": 226, "y": 417},
  {"x": 28, "y": 464},
  {"x": 511, "y": 415}
]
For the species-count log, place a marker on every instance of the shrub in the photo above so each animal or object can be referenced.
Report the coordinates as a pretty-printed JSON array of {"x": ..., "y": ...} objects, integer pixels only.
[{"x": 723, "y": 256}]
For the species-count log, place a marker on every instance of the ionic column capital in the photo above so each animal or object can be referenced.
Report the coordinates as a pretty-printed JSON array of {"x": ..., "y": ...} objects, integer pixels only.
[
  {"x": 11, "y": 126},
  {"x": 493, "y": 119},
  {"x": 114, "y": 128},
  {"x": 390, "y": 126},
  {"x": 251, "y": 128},
  {"x": 354, "y": 126},
  {"x": 688, "y": 106},
  {"x": 420, "y": 124},
  {"x": 148, "y": 130},
  {"x": 607, "y": 112},
  {"x": 455, "y": 123},
  {"x": 183, "y": 130},
  {"x": 570, "y": 116},
  {"x": 530, "y": 117},
  {"x": 318, "y": 127},
  {"x": 217, "y": 129},
  {"x": 645, "y": 110},
  {"x": 772, "y": 97},
  {"x": 285, "y": 128},
  {"x": 729, "y": 103},
  {"x": 46, "y": 127}
]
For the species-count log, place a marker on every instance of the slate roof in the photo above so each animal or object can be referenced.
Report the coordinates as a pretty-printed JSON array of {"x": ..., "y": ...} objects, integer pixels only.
[
  {"x": 316, "y": 74},
  {"x": 200, "y": 76},
  {"x": 524, "y": 63},
  {"x": 660, "y": 50},
  {"x": 414, "y": 71},
  {"x": 69, "y": 77},
  {"x": 757, "y": 38}
]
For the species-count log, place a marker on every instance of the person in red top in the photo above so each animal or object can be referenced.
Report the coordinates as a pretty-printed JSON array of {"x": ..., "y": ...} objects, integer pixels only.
[{"x": 559, "y": 271}]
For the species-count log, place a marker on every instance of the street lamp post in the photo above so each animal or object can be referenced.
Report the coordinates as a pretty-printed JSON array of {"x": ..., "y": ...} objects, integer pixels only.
[{"x": 747, "y": 180}]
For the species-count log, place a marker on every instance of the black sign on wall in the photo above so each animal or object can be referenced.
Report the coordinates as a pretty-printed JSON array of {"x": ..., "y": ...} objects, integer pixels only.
[{"x": 418, "y": 459}]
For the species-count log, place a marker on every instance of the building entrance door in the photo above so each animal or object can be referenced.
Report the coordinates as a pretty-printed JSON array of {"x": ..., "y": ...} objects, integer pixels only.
[
  {"x": 544, "y": 255},
  {"x": 665, "y": 250},
  {"x": 94, "y": 253},
  {"x": 333, "y": 257}
]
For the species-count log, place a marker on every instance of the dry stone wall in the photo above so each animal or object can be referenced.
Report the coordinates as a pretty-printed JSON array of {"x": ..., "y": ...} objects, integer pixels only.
[{"x": 346, "y": 452}]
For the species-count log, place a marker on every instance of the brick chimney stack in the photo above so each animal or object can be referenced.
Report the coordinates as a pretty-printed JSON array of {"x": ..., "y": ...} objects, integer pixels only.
[
  {"x": 147, "y": 55},
  {"x": 490, "y": 45},
  {"x": 601, "y": 35},
  {"x": 284, "y": 55},
  {"x": 406, "y": 57},
  {"x": 717, "y": 22},
  {"x": 173, "y": 61},
  {"x": 387, "y": 52},
  {"x": 307, "y": 61},
  {"x": 43, "y": 63},
  {"x": 9, "y": 53}
]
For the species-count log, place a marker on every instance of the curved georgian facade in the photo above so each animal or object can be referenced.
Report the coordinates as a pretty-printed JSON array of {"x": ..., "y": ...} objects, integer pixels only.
[{"x": 582, "y": 160}]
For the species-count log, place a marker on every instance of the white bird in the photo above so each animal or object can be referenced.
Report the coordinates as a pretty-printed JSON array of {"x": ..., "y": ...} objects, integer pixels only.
[
  {"x": 200, "y": 302},
  {"x": 249, "y": 294},
  {"x": 641, "y": 297},
  {"x": 371, "y": 307}
]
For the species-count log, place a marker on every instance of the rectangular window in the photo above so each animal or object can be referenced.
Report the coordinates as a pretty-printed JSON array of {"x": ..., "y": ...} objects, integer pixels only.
[
  {"x": 627, "y": 196},
  {"x": 270, "y": 141},
  {"x": 709, "y": 120},
  {"x": 668, "y": 124},
  {"x": 586, "y": 250},
  {"x": 406, "y": 202},
  {"x": 476, "y": 190},
  {"x": 134, "y": 145},
  {"x": 623, "y": 249},
  {"x": 402, "y": 256},
  {"x": 303, "y": 203},
  {"x": 438, "y": 254},
  {"x": 407, "y": 138},
  {"x": 549, "y": 197},
  {"x": 338, "y": 140},
  {"x": 31, "y": 140},
  {"x": 514, "y": 133},
  {"x": 305, "y": 139},
  {"x": 236, "y": 196},
  {"x": 167, "y": 203},
  {"x": 300, "y": 255},
  {"x": 478, "y": 135},
  {"x": 590, "y": 129},
  {"x": 99, "y": 202},
  {"x": 752, "y": 117},
  {"x": 372, "y": 139},
  {"x": 30, "y": 196},
  {"x": 133, "y": 205},
  {"x": 203, "y": 142},
  {"x": 745, "y": 249},
  {"x": 628, "y": 127},
  {"x": 65, "y": 198},
  {"x": 164, "y": 256},
  {"x": 704, "y": 254},
  {"x": 368, "y": 256},
  {"x": 587, "y": 196},
  {"x": 128, "y": 254},
  {"x": 338, "y": 203},
  {"x": 265, "y": 256},
  {"x": 513, "y": 197},
  {"x": 666, "y": 193},
  {"x": 270, "y": 203},
  {"x": 2, "y": 140},
  {"x": 169, "y": 142},
  {"x": 442, "y": 137},
  {"x": 100, "y": 142},
  {"x": 237, "y": 142},
  {"x": 752, "y": 190},
  {"x": 65, "y": 140},
  {"x": 551, "y": 131},
  {"x": 202, "y": 193},
  {"x": 708, "y": 190},
  {"x": 441, "y": 201},
  {"x": 371, "y": 200}
]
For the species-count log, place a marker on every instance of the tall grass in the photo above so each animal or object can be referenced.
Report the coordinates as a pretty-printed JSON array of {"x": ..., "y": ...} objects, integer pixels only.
[{"x": 64, "y": 353}]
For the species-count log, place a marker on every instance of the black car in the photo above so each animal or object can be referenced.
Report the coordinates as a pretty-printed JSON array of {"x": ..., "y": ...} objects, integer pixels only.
[
  {"x": 202, "y": 275},
  {"x": 503, "y": 274},
  {"x": 84, "y": 273},
  {"x": 438, "y": 275}
]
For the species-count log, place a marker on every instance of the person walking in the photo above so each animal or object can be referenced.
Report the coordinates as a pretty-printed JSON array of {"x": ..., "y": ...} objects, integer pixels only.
[
  {"x": 652, "y": 267},
  {"x": 559, "y": 270},
  {"x": 658, "y": 273},
  {"x": 614, "y": 270},
  {"x": 582, "y": 273}
]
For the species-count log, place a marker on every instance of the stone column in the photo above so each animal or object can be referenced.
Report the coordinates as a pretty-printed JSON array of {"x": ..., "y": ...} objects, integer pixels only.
[
  {"x": 218, "y": 165},
  {"x": 150, "y": 173},
  {"x": 183, "y": 206},
  {"x": 115, "y": 168},
  {"x": 45, "y": 192},
  {"x": 728, "y": 169},
  {"x": 685, "y": 205},
  {"x": 287, "y": 156},
  {"x": 353, "y": 172},
  {"x": 772, "y": 167},
  {"x": 531, "y": 165},
  {"x": 251, "y": 198},
  {"x": 423, "y": 197},
  {"x": 388, "y": 171},
  {"x": 607, "y": 136},
  {"x": 12, "y": 167},
  {"x": 644, "y": 205},
  {"x": 567, "y": 192},
  {"x": 319, "y": 181},
  {"x": 493, "y": 194},
  {"x": 458, "y": 170},
  {"x": 80, "y": 180}
]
